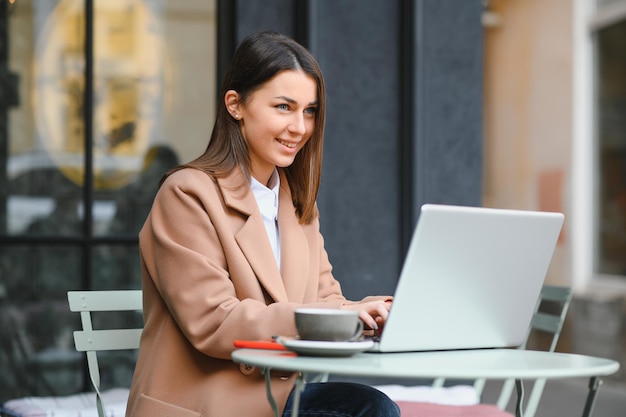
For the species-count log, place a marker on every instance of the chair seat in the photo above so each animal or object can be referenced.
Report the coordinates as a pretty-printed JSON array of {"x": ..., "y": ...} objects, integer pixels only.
[
  {"x": 77, "y": 405},
  {"x": 425, "y": 409}
]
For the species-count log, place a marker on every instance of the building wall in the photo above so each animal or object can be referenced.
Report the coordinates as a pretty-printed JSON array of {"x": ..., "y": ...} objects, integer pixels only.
[{"x": 528, "y": 113}]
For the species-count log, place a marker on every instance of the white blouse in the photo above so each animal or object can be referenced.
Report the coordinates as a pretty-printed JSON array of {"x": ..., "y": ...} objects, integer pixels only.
[{"x": 267, "y": 200}]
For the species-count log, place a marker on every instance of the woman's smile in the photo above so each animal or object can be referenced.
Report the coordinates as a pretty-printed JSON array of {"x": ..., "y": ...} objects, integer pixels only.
[{"x": 290, "y": 145}]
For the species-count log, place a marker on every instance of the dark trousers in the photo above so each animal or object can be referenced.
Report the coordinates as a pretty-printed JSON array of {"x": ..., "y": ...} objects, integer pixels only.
[{"x": 341, "y": 399}]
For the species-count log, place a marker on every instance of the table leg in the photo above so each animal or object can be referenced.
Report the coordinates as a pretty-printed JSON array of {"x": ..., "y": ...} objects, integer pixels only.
[
  {"x": 268, "y": 391},
  {"x": 299, "y": 387},
  {"x": 519, "y": 387},
  {"x": 594, "y": 385}
]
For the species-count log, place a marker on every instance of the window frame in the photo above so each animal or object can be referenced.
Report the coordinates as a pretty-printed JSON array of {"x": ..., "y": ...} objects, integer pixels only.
[{"x": 588, "y": 19}]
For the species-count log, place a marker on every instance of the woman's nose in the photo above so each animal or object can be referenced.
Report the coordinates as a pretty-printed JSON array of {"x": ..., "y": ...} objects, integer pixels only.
[{"x": 298, "y": 125}]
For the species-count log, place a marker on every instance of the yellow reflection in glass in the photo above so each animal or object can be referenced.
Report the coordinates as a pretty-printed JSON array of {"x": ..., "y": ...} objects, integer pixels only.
[{"x": 129, "y": 87}]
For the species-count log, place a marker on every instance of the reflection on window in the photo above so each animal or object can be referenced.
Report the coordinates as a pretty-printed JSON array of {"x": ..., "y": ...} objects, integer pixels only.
[
  {"x": 611, "y": 96},
  {"x": 154, "y": 102},
  {"x": 154, "y": 96},
  {"x": 130, "y": 86}
]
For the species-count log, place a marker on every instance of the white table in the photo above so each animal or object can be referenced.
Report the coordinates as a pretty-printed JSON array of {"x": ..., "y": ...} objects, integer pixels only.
[{"x": 460, "y": 364}]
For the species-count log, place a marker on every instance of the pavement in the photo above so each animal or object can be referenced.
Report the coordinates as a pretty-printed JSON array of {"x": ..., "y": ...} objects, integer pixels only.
[{"x": 565, "y": 398}]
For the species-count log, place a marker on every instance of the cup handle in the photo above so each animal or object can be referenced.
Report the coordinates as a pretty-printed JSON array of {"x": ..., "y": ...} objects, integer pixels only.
[{"x": 358, "y": 332}]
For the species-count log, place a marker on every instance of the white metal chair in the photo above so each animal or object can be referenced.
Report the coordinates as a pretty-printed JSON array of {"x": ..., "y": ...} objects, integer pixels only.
[
  {"x": 544, "y": 320},
  {"x": 91, "y": 341}
]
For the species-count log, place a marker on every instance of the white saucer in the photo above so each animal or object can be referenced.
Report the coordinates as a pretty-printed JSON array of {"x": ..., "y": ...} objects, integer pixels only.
[{"x": 323, "y": 348}]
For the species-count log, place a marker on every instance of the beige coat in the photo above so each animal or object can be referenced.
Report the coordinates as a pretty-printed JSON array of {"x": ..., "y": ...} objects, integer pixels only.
[{"x": 209, "y": 278}]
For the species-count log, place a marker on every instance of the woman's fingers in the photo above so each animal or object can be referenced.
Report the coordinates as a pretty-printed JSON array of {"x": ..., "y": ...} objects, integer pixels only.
[
  {"x": 373, "y": 314},
  {"x": 383, "y": 310},
  {"x": 368, "y": 320}
]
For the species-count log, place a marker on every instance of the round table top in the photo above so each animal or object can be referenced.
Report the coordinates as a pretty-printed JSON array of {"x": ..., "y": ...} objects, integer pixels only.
[{"x": 470, "y": 364}]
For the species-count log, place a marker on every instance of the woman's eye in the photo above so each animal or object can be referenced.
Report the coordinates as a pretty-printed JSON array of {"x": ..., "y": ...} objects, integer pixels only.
[
  {"x": 310, "y": 110},
  {"x": 282, "y": 107}
]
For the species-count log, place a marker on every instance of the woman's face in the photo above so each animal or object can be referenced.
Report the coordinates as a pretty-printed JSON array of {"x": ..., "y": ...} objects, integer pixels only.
[{"x": 277, "y": 120}]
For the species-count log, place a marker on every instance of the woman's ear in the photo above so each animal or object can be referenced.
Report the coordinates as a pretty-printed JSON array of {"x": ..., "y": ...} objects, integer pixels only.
[{"x": 231, "y": 100}]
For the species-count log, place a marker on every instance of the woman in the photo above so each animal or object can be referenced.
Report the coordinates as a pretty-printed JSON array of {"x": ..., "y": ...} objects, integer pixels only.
[{"x": 232, "y": 247}]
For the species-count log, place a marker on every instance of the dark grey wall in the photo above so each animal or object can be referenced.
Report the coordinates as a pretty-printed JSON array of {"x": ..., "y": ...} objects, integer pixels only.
[
  {"x": 357, "y": 46},
  {"x": 255, "y": 15},
  {"x": 448, "y": 91},
  {"x": 404, "y": 121}
]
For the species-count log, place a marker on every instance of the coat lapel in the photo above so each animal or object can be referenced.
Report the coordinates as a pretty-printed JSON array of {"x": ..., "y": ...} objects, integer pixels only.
[
  {"x": 294, "y": 247},
  {"x": 252, "y": 236}
]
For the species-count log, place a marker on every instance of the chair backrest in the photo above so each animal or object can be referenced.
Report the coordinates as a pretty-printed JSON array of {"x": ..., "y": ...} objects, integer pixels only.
[
  {"x": 546, "y": 321},
  {"x": 90, "y": 340}
]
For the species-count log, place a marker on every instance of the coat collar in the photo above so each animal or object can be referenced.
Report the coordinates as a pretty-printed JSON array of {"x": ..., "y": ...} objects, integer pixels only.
[{"x": 291, "y": 285}]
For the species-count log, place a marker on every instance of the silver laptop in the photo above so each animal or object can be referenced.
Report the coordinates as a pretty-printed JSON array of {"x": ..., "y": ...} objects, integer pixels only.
[{"x": 470, "y": 279}]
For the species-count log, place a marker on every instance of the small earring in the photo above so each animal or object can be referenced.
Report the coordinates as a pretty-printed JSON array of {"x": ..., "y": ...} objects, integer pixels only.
[{"x": 237, "y": 116}]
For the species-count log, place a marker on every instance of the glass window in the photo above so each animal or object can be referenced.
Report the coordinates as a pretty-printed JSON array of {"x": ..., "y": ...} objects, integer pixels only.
[
  {"x": 37, "y": 346},
  {"x": 611, "y": 148},
  {"x": 116, "y": 267},
  {"x": 63, "y": 228}
]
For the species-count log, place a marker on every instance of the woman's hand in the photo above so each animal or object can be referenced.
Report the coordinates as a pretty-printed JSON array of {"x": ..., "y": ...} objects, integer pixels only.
[{"x": 373, "y": 311}]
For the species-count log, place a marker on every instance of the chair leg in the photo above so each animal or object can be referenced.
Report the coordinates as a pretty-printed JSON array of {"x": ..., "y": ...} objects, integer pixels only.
[
  {"x": 519, "y": 385},
  {"x": 535, "y": 396},
  {"x": 505, "y": 394}
]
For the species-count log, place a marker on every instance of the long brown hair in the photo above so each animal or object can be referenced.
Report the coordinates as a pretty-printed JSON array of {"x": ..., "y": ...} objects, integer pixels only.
[{"x": 260, "y": 57}]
